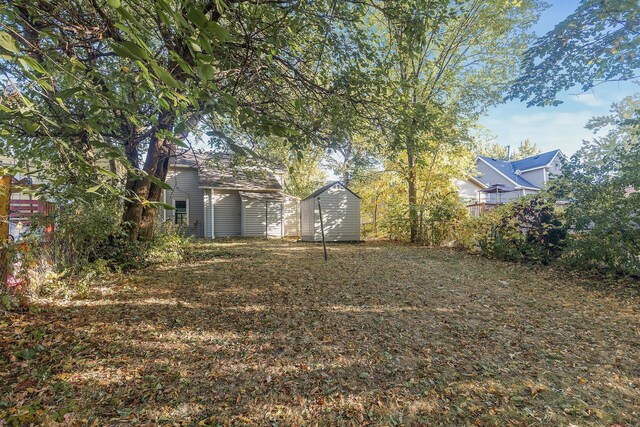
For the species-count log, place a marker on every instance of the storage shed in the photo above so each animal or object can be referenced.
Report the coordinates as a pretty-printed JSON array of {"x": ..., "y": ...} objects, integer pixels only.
[{"x": 340, "y": 214}]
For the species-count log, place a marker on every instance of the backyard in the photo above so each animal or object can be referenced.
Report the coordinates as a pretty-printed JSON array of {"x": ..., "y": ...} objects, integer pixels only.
[{"x": 265, "y": 332}]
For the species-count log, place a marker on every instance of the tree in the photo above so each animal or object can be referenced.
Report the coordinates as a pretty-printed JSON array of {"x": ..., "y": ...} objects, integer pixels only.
[
  {"x": 598, "y": 42},
  {"x": 600, "y": 180},
  {"x": 443, "y": 64},
  {"x": 526, "y": 149},
  {"x": 497, "y": 151},
  {"x": 303, "y": 166},
  {"x": 128, "y": 81},
  {"x": 493, "y": 150}
]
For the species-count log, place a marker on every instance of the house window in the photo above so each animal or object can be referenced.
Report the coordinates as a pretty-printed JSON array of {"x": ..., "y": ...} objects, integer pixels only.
[{"x": 180, "y": 212}]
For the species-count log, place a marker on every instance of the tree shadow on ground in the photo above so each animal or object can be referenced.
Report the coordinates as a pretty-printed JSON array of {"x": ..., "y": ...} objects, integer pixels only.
[{"x": 381, "y": 334}]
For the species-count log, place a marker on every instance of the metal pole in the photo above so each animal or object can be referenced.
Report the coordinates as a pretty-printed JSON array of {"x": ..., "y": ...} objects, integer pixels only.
[{"x": 324, "y": 245}]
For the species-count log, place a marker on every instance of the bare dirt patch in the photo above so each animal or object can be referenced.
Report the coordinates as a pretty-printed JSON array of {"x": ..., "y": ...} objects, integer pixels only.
[{"x": 266, "y": 333}]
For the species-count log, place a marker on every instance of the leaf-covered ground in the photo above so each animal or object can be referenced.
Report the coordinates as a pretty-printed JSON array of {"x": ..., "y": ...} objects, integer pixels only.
[{"x": 259, "y": 333}]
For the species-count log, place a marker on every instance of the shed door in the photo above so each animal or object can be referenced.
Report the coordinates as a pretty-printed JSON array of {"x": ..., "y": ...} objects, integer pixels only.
[
  {"x": 226, "y": 213},
  {"x": 254, "y": 218},
  {"x": 274, "y": 218}
]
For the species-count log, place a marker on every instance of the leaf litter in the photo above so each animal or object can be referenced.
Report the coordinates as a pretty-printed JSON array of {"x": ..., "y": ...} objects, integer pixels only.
[{"x": 267, "y": 333}]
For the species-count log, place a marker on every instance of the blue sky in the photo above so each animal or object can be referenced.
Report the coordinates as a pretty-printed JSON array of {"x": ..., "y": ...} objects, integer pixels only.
[{"x": 554, "y": 127}]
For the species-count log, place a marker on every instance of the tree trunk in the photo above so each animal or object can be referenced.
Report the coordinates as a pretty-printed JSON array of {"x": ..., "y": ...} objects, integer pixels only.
[
  {"x": 375, "y": 217},
  {"x": 413, "y": 197},
  {"x": 138, "y": 216},
  {"x": 149, "y": 213}
]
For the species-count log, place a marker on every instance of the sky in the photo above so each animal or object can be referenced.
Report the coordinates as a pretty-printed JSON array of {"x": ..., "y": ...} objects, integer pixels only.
[{"x": 554, "y": 127}]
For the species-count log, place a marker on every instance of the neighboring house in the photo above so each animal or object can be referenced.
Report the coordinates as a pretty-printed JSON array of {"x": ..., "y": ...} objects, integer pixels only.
[
  {"x": 23, "y": 206},
  {"x": 214, "y": 198},
  {"x": 340, "y": 214},
  {"x": 521, "y": 177},
  {"x": 469, "y": 190}
]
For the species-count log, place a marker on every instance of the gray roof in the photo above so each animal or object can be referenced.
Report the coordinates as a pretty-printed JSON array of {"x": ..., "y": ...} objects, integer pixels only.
[
  {"x": 506, "y": 169},
  {"x": 321, "y": 190},
  {"x": 511, "y": 169},
  {"x": 218, "y": 171},
  {"x": 533, "y": 162}
]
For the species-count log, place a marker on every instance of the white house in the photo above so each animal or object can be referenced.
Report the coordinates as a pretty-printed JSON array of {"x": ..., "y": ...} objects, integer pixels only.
[
  {"x": 340, "y": 211},
  {"x": 214, "y": 198}
]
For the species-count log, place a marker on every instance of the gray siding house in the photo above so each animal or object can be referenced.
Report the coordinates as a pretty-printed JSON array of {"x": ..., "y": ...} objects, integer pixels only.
[
  {"x": 214, "y": 198},
  {"x": 525, "y": 176},
  {"x": 340, "y": 214}
]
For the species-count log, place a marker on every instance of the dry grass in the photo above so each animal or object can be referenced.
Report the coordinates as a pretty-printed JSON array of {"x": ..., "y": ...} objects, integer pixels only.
[{"x": 259, "y": 333}]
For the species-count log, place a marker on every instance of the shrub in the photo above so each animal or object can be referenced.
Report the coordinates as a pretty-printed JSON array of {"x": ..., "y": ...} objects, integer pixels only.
[
  {"x": 89, "y": 242},
  {"x": 528, "y": 230}
]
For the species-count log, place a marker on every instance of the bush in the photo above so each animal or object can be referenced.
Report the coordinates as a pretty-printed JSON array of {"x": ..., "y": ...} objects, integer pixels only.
[
  {"x": 89, "y": 242},
  {"x": 527, "y": 230}
]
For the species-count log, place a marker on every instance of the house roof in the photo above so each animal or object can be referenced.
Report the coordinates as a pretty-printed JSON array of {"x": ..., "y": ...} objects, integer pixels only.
[
  {"x": 506, "y": 169},
  {"x": 511, "y": 169},
  {"x": 218, "y": 171},
  {"x": 321, "y": 190},
  {"x": 534, "y": 162}
]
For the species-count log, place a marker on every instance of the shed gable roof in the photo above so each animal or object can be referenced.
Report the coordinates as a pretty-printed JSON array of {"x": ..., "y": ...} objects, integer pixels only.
[{"x": 326, "y": 187}]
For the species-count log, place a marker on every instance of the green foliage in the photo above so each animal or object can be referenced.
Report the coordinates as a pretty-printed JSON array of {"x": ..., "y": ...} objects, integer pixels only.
[
  {"x": 132, "y": 80},
  {"x": 384, "y": 212},
  {"x": 598, "y": 42},
  {"x": 89, "y": 243},
  {"x": 498, "y": 151},
  {"x": 526, "y": 149},
  {"x": 599, "y": 181},
  {"x": 92, "y": 237},
  {"x": 527, "y": 230},
  {"x": 443, "y": 64}
]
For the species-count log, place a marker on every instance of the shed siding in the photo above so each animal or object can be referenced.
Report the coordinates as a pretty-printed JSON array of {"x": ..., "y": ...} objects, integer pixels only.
[
  {"x": 308, "y": 219},
  {"x": 227, "y": 220},
  {"x": 253, "y": 218},
  {"x": 340, "y": 216},
  {"x": 184, "y": 184},
  {"x": 291, "y": 217},
  {"x": 274, "y": 219}
]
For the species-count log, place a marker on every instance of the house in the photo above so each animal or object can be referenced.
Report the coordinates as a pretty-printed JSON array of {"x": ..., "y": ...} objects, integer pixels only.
[
  {"x": 213, "y": 198},
  {"x": 334, "y": 208},
  {"x": 498, "y": 181}
]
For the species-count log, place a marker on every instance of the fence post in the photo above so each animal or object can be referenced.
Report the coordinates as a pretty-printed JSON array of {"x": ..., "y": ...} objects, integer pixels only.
[{"x": 5, "y": 197}]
